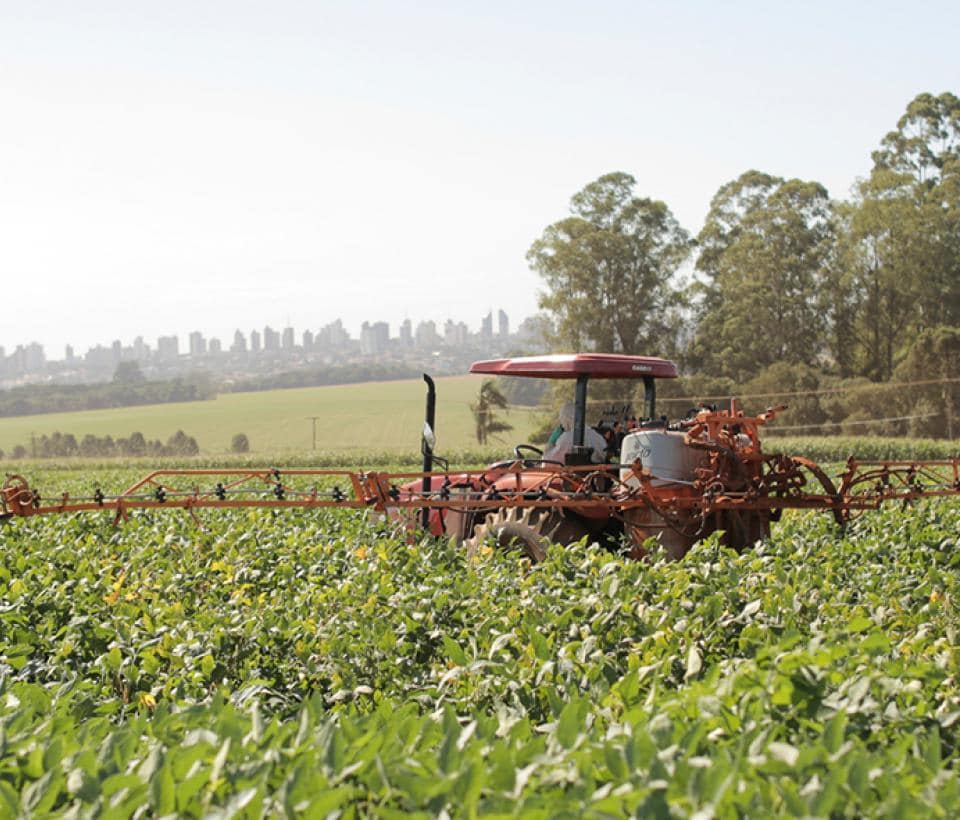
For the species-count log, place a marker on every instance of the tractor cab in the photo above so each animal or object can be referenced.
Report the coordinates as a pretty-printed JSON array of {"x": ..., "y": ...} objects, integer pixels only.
[
  {"x": 583, "y": 367},
  {"x": 530, "y": 474}
]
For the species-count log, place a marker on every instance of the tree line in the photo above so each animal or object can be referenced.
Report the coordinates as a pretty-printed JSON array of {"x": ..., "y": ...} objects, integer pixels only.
[
  {"x": 128, "y": 388},
  {"x": 66, "y": 445},
  {"x": 352, "y": 373},
  {"x": 783, "y": 283}
]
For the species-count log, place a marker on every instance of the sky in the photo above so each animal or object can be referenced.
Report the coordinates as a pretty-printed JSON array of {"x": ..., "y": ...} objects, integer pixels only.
[{"x": 178, "y": 166}]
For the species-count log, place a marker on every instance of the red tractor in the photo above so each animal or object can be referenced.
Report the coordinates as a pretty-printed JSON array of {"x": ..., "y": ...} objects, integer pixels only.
[
  {"x": 663, "y": 485},
  {"x": 670, "y": 468}
]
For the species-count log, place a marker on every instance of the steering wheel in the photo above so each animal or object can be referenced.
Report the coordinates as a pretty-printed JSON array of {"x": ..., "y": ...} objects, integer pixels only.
[{"x": 518, "y": 452}]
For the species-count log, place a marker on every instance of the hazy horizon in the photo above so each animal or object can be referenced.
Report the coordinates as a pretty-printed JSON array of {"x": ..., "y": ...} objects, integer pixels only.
[
  {"x": 227, "y": 338},
  {"x": 209, "y": 167}
]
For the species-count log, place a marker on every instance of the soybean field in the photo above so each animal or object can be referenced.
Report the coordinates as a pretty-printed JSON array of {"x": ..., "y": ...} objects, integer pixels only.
[{"x": 317, "y": 664}]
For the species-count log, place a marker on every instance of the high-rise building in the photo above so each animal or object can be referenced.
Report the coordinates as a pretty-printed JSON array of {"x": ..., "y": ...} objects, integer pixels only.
[
  {"x": 308, "y": 340},
  {"x": 35, "y": 357},
  {"x": 503, "y": 324},
  {"x": 141, "y": 350},
  {"x": 271, "y": 339},
  {"x": 254, "y": 341},
  {"x": 406, "y": 333},
  {"x": 426, "y": 336},
  {"x": 214, "y": 348},
  {"x": 168, "y": 348},
  {"x": 374, "y": 338},
  {"x": 332, "y": 336},
  {"x": 67, "y": 354},
  {"x": 98, "y": 358},
  {"x": 288, "y": 338},
  {"x": 455, "y": 334},
  {"x": 486, "y": 327},
  {"x": 239, "y": 342},
  {"x": 198, "y": 345}
]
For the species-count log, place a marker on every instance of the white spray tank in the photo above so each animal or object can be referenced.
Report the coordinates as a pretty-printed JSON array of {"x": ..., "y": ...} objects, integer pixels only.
[{"x": 663, "y": 455}]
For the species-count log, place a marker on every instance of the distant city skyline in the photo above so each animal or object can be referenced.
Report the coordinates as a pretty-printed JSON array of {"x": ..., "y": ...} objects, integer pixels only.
[
  {"x": 266, "y": 351},
  {"x": 189, "y": 341}
]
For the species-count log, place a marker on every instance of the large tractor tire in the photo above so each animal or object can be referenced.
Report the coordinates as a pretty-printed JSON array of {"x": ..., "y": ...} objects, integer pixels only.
[{"x": 530, "y": 530}]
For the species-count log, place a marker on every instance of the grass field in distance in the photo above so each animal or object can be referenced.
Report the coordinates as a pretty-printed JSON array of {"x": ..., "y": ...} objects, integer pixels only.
[{"x": 371, "y": 417}]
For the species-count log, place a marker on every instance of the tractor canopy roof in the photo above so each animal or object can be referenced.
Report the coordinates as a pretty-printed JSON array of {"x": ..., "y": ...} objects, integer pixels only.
[{"x": 575, "y": 365}]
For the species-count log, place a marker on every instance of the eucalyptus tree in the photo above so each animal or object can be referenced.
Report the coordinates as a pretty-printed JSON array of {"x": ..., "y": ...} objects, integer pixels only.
[
  {"x": 608, "y": 268},
  {"x": 764, "y": 253},
  {"x": 902, "y": 247}
]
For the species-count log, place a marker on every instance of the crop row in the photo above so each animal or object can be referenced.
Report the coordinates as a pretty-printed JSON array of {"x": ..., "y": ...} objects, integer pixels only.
[{"x": 824, "y": 449}]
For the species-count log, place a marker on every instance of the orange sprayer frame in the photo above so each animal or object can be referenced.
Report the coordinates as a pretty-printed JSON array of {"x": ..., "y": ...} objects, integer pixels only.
[{"x": 735, "y": 477}]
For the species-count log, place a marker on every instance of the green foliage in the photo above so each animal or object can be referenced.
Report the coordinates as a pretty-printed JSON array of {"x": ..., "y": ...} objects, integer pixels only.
[
  {"x": 180, "y": 444},
  {"x": 920, "y": 402},
  {"x": 353, "y": 373},
  {"x": 65, "y": 445},
  {"x": 898, "y": 258},
  {"x": 785, "y": 383},
  {"x": 525, "y": 392},
  {"x": 836, "y": 449},
  {"x": 786, "y": 276},
  {"x": 764, "y": 246},
  {"x": 291, "y": 664},
  {"x": 128, "y": 373},
  {"x": 126, "y": 390},
  {"x": 607, "y": 268},
  {"x": 934, "y": 355}
]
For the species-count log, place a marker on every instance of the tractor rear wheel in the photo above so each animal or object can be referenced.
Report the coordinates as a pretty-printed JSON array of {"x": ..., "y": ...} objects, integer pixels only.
[{"x": 531, "y": 530}]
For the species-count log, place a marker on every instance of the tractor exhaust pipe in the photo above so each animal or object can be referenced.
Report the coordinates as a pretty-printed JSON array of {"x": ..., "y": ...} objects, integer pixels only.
[{"x": 428, "y": 442}]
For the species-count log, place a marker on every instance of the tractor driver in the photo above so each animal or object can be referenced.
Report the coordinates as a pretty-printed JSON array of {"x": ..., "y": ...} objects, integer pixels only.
[{"x": 564, "y": 444}]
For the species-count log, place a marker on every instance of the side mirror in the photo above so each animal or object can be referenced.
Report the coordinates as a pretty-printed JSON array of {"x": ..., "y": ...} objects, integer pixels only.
[{"x": 429, "y": 440}]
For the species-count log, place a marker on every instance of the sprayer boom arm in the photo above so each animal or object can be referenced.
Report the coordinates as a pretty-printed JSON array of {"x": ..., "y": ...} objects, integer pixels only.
[{"x": 781, "y": 484}]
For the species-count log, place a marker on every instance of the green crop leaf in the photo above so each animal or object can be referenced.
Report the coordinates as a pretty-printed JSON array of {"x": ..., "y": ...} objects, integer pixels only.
[
  {"x": 448, "y": 756},
  {"x": 694, "y": 664},
  {"x": 40, "y": 795},
  {"x": 9, "y": 800},
  {"x": 860, "y": 624},
  {"x": 454, "y": 652},
  {"x": 932, "y": 750},
  {"x": 163, "y": 796},
  {"x": 875, "y": 642},
  {"x": 858, "y": 775},
  {"x": 327, "y": 801},
  {"x": 834, "y": 732},
  {"x": 570, "y": 723}
]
